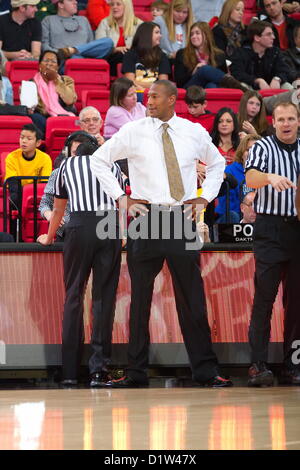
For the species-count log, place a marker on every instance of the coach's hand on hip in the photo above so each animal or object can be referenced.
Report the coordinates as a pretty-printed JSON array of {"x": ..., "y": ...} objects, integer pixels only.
[
  {"x": 195, "y": 207},
  {"x": 134, "y": 207}
]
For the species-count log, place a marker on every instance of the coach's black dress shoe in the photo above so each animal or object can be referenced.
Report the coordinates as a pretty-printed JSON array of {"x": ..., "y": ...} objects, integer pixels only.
[
  {"x": 217, "y": 382},
  {"x": 289, "y": 377},
  {"x": 69, "y": 383},
  {"x": 99, "y": 379},
  {"x": 126, "y": 382}
]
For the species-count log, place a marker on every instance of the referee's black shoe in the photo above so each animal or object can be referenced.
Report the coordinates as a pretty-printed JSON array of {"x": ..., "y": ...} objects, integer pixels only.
[
  {"x": 259, "y": 375},
  {"x": 126, "y": 382},
  {"x": 289, "y": 377},
  {"x": 217, "y": 382}
]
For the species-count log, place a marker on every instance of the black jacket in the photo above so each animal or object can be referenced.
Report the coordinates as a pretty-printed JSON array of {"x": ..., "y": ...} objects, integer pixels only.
[
  {"x": 182, "y": 74},
  {"x": 246, "y": 65},
  {"x": 292, "y": 59}
]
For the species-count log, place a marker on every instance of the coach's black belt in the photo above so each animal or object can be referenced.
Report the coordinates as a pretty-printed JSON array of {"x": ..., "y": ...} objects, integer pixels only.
[{"x": 165, "y": 207}]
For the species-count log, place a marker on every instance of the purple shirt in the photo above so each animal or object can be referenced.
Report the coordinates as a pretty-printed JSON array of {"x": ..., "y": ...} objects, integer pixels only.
[{"x": 117, "y": 116}]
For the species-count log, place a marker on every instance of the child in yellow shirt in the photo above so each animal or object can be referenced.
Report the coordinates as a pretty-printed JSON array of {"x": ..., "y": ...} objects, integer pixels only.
[{"x": 27, "y": 160}]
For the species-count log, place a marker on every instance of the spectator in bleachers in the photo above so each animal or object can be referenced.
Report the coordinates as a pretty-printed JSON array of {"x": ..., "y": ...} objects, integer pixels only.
[
  {"x": 237, "y": 170},
  {"x": 97, "y": 10},
  {"x": 247, "y": 208},
  {"x": 292, "y": 55},
  {"x": 259, "y": 64},
  {"x": 72, "y": 35},
  {"x": 205, "y": 10},
  {"x": 230, "y": 31},
  {"x": 6, "y": 90},
  {"x": 292, "y": 96},
  {"x": 20, "y": 31},
  {"x": 123, "y": 106},
  {"x": 56, "y": 93},
  {"x": 158, "y": 8},
  {"x": 145, "y": 62},
  {"x": 27, "y": 160},
  {"x": 47, "y": 202},
  {"x": 175, "y": 26},
  {"x": 201, "y": 62},
  {"x": 289, "y": 6},
  {"x": 120, "y": 26},
  {"x": 283, "y": 25},
  {"x": 196, "y": 102},
  {"x": 225, "y": 133},
  {"x": 252, "y": 115},
  {"x": 90, "y": 121}
]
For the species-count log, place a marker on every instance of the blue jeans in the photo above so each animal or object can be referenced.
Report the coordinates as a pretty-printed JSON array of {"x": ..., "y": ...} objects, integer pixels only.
[
  {"x": 96, "y": 49},
  {"x": 206, "y": 77}
]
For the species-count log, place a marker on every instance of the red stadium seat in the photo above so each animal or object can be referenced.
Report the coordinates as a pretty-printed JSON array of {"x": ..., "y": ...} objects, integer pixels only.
[
  {"x": 97, "y": 98},
  {"x": 3, "y": 156},
  {"x": 144, "y": 15},
  {"x": 271, "y": 92},
  {"x": 295, "y": 16},
  {"x": 57, "y": 130},
  {"x": 248, "y": 15},
  {"x": 223, "y": 97},
  {"x": 141, "y": 5},
  {"x": 28, "y": 212},
  {"x": 10, "y": 129},
  {"x": 1, "y": 209},
  {"x": 19, "y": 70},
  {"x": 88, "y": 74}
]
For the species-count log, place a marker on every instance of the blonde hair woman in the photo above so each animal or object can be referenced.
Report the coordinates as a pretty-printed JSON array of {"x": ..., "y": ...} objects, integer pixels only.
[
  {"x": 229, "y": 33},
  {"x": 175, "y": 26},
  {"x": 120, "y": 26}
]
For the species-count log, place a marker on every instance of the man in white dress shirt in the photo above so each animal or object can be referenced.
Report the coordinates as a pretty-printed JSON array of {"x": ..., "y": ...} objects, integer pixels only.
[{"x": 142, "y": 143}]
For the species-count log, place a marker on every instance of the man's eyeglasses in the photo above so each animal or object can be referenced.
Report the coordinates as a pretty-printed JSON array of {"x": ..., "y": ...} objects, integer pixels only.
[
  {"x": 267, "y": 34},
  {"x": 90, "y": 120},
  {"x": 70, "y": 26}
]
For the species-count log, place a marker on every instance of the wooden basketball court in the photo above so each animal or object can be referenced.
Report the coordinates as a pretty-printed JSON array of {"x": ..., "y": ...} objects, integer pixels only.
[{"x": 151, "y": 419}]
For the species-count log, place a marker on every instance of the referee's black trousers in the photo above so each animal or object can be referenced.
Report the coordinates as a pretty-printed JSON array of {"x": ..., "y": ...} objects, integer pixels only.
[
  {"x": 145, "y": 259},
  {"x": 276, "y": 245},
  {"x": 85, "y": 252}
]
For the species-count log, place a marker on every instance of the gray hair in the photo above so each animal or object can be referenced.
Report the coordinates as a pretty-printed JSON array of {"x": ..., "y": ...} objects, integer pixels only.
[{"x": 89, "y": 108}]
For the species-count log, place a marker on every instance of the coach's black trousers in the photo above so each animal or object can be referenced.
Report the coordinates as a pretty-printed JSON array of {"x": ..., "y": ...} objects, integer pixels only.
[
  {"x": 145, "y": 259},
  {"x": 85, "y": 252},
  {"x": 276, "y": 245}
]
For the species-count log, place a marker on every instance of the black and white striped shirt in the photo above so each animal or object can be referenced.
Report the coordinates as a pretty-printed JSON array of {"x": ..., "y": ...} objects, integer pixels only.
[
  {"x": 270, "y": 155},
  {"x": 76, "y": 182}
]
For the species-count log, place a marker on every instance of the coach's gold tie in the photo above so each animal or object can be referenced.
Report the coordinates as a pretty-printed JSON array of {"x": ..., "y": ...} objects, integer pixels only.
[{"x": 174, "y": 175}]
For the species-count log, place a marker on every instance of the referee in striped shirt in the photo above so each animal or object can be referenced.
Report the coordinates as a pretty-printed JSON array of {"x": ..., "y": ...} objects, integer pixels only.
[
  {"x": 273, "y": 167},
  {"x": 83, "y": 252}
]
